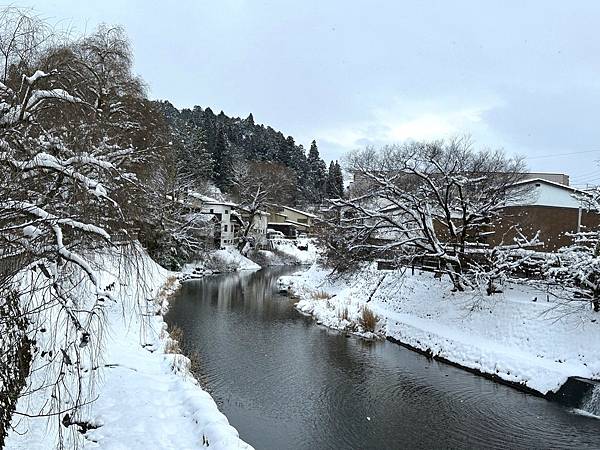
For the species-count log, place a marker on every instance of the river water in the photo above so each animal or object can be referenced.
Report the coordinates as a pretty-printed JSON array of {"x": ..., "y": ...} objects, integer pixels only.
[{"x": 286, "y": 383}]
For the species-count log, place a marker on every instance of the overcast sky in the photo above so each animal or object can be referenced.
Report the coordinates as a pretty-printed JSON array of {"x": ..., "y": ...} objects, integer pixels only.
[{"x": 524, "y": 76}]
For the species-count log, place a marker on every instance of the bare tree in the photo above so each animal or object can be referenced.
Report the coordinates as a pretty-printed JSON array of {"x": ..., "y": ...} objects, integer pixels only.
[
  {"x": 422, "y": 199},
  {"x": 256, "y": 184},
  {"x": 174, "y": 229}
]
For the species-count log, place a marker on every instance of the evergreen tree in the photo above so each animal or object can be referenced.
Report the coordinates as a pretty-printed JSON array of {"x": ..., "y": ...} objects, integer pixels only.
[
  {"x": 335, "y": 181},
  {"x": 338, "y": 181},
  {"x": 200, "y": 161},
  {"x": 221, "y": 161},
  {"x": 317, "y": 175},
  {"x": 331, "y": 193}
]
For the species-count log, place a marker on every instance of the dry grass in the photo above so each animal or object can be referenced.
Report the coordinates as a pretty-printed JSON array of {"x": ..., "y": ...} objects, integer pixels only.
[
  {"x": 173, "y": 344},
  {"x": 368, "y": 319},
  {"x": 195, "y": 362},
  {"x": 167, "y": 288},
  {"x": 321, "y": 295}
]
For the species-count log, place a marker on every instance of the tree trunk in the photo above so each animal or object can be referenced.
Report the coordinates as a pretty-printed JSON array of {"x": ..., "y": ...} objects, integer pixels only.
[
  {"x": 454, "y": 277},
  {"x": 13, "y": 374}
]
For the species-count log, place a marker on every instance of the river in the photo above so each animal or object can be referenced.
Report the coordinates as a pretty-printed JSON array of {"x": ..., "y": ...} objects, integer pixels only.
[{"x": 286, "y": 383}]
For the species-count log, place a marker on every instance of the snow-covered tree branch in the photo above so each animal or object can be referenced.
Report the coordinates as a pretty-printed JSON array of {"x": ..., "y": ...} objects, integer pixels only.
[
  {"x": 422, "y": 200},
  {"x": 74, "y": 130}
]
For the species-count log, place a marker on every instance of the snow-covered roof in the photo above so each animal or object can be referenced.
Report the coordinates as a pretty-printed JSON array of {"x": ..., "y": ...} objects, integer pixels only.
[
  {"x": 209, "y": 200},
  {"x": 298, "y": 211},
  {"x": 201, "y": 217},
  {"x": 300, "y": 224},
  {"x": 246, "y": 210}
]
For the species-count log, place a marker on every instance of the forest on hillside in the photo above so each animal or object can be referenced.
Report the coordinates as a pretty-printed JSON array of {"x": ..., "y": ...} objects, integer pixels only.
[{"x": 212, "y": 147}]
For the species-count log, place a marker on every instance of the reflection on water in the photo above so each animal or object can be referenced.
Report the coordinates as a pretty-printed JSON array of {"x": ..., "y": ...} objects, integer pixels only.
[{"x": 286, "y": 383}]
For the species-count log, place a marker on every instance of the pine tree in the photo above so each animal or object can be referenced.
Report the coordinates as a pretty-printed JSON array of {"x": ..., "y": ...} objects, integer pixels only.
[
  {"x": 201, "y": 159},
  {"x": 331, "y": 193},
  {"x": 317, "y": 175},
  {"x": 338, "y": 181},
  {"x": 221, "y": 161},
  {"x": 335, "y": 181}
]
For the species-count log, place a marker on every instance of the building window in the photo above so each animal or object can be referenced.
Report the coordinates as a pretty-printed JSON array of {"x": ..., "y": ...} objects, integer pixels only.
[
  {"x": 224, "y": 227},
  {"x": 212, "y": 211},
  {"x": 226, "y": 211}
]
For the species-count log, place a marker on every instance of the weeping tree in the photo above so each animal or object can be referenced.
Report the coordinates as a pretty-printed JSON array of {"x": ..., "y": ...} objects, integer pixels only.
[
  {"x": 74, "y": 136},
  {"x": 420, "y": 200}
]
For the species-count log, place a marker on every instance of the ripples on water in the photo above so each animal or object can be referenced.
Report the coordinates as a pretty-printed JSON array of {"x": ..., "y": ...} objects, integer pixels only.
[{"x": 286, "y": 383}]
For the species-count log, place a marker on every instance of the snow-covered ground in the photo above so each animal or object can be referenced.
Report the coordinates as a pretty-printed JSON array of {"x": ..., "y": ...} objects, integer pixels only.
[
  {"x": 146, "y": 397},
  {"x": 520, "y": 336},
  {"x": 303, "y": 250},
  {"x": 232, "y": 260},
  {"x": 227, "y": 260}
]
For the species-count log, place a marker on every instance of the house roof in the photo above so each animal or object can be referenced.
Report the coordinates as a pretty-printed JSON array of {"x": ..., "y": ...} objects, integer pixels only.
[
  {"x": 278, "y": 224},
  {"x": 551, "y": 183},
  {"x": 298, "y": 224},
  {"x": 210, "y": 201},
  {"x": 299, "y": 211},
  {"x": 247, "y": 211},
  {"x": 542, "y": 192}
]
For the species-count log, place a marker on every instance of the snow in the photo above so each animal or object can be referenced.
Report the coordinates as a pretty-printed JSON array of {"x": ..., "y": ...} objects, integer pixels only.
[
  {"x": 32, "y": 232},
  {"x": 59, "y": 94},
  {"x": 210, "y": 200},
  {"x": 231, "y": 259},
  {"x": 228, "y": 259},
  {"x": 291, "y": 248},
  {"x": 36, "y": 76},
  {"x": 147, "y": 397},
  {"x": 520, "y": 336}
]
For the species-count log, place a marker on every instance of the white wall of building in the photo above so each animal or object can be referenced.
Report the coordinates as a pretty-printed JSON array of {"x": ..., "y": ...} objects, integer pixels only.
[
  {"x": 539, "y": 193},
  {"x": 227, "y": 226}
]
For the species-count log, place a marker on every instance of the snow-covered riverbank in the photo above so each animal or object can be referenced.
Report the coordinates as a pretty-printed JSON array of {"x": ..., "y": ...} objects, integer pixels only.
[
  {"x": 518, "y": 336},
  {"x": 146, "y": 396},
  {"x": 302, "y": 251}
]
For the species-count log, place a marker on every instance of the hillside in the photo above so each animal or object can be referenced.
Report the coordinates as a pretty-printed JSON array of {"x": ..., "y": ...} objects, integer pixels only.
[{"x": 220, "y": 142}]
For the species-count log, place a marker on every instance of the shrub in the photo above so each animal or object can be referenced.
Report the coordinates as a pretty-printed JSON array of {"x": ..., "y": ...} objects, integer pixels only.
[{"x": 368, "y": 319}]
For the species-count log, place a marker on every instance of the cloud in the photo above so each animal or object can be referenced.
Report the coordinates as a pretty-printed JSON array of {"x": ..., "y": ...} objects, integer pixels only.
[{"x": 409, "y": 120}]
